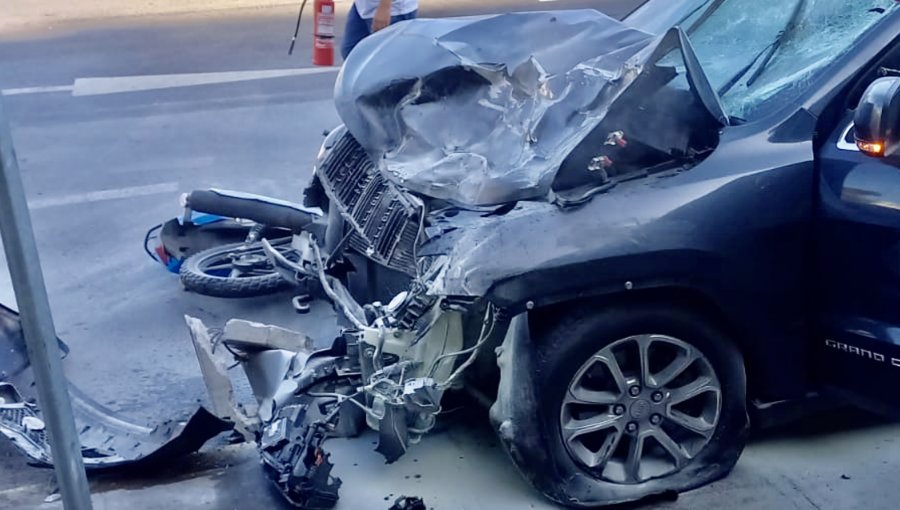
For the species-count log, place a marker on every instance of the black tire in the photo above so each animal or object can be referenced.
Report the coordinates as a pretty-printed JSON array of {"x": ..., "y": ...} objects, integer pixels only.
[
  {"x": 196, "y": 279},
  {"x": 562, "y": 349}
]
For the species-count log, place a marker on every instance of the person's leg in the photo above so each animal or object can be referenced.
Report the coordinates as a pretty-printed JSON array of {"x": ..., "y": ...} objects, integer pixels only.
[{"x": 356, "y": 30}]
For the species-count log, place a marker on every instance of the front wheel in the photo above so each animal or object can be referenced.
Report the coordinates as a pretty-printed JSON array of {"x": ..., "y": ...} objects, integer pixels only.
[
  {"x": 234, "y": 270},
  {"x": 634, "y": 402}
]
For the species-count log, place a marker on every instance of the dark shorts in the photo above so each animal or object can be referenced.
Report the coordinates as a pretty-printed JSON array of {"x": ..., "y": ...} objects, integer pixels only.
[{"x": 358, "y": 29}]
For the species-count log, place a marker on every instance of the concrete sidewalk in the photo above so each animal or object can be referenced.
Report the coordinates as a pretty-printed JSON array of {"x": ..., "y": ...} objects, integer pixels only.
[{"x": 20, "y": 14}]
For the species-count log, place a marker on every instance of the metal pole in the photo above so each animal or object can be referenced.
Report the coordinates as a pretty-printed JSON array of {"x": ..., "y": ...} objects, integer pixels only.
[{"x": 37, "y": 324}]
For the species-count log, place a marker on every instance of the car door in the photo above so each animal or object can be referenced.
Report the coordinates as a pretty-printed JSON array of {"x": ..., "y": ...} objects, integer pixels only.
[{"x": 857, "y": 271}]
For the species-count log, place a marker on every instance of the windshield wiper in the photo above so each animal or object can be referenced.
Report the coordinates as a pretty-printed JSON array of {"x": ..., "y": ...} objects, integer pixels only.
[{"x": 767, "y": 53}]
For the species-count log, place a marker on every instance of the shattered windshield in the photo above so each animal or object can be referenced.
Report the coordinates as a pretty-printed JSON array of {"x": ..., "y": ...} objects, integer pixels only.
[{"x": 737, "y": 41}]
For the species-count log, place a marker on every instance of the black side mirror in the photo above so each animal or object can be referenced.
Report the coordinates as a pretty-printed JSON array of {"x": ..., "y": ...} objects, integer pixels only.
[{"x": 877, "y": 119}]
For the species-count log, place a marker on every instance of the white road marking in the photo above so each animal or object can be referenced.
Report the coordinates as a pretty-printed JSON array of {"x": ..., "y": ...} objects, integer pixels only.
[
  {"x": 119, "y": 84},
  {"x": 116, "y": 85},
  {"x": 98, "y": 196},
  {"x": 38, "y": 90},
  {"x": 25, "y": 489}
]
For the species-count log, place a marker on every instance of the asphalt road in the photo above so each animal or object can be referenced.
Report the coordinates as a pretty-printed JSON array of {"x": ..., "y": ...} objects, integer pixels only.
[{"x": 111, "y": 123}]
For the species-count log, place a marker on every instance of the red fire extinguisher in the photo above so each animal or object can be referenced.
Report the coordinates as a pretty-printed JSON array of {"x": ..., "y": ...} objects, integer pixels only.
[{"x": 323, "y": 33}]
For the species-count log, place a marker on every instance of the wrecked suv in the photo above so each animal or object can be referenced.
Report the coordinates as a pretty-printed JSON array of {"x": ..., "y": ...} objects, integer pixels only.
[{"x": 625, "y": 237}]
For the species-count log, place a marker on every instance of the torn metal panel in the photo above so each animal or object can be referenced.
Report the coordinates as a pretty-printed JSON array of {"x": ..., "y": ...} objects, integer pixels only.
[
  {"x": 408, "y": 503},
  {"x": 254, "y": 335},
  {"x": 451, "y": 113},
  {"x": 214, "y": 368},
  {"x": 291, "y": 442},
  {"x": 107, "y": 438},
  {"x": 513, "y": 412}
]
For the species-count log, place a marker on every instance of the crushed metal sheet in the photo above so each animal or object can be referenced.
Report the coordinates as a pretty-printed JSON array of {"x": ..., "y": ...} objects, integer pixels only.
[
  {"x": 107, "y": 439},
  {"x": 214, "y": 368},
  {"x": 249, "y": 335},
  {"x": 517, "y": 109}
]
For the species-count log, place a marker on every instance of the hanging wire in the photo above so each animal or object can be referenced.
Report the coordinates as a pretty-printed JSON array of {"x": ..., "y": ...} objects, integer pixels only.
[{"x": 297, "y": 28}]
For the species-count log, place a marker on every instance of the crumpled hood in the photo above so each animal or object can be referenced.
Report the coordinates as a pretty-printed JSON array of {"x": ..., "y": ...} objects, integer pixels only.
[{"x": 483, "y": 110}]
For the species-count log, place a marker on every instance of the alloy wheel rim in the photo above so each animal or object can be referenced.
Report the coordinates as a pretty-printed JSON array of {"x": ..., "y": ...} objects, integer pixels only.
[{"x": 642, "y": 407}]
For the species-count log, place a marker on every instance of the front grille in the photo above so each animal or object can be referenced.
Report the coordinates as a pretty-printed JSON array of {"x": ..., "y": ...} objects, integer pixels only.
[
  {"x": 383, "y": 220},
  {"x": 13, "y": 420}
]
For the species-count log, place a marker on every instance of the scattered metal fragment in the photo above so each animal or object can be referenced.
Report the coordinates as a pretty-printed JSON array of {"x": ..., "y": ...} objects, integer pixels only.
[
  {"x": 408, "y": 503},
  {"x": 254, "y": 335}
]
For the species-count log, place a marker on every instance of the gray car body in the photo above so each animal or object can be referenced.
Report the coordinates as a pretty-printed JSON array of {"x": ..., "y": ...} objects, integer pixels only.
[{"x": 732, "y": 235}]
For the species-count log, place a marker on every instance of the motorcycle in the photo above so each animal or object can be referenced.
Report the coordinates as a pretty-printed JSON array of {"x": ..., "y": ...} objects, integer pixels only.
[{"x": 216, "y": 245}]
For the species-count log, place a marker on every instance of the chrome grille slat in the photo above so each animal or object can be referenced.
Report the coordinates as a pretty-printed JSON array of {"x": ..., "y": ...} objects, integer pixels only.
[{"x": 384, "y": 225}]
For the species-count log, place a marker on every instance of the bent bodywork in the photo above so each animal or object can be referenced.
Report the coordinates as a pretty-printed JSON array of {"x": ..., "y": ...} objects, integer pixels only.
[
  {"x": 446, "y": 111},
  {"x": 454, "y": 161},
  {"x": 107, "y": 439}
]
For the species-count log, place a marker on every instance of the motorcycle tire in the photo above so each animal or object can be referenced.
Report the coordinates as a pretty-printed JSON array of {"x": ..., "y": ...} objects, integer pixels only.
[{"x": 197, "y": 274}]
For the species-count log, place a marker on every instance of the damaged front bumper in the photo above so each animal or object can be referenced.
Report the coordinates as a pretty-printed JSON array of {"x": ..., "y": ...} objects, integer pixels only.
[
  {"x": 376, "y": 375},
  {"x": 388, "y": 371}
]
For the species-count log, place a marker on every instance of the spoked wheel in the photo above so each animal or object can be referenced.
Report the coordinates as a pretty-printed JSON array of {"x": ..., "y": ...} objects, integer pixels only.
[
  {"x": 629, "y": 402},
  {"x": 235, "y": 270},
  {"x": 640, "y": 408}
]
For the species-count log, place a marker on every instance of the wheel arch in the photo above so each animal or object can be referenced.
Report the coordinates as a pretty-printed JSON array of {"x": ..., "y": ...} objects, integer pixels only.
[
  {"x": 768, "y": 337},
  {"x": 544, "y": 318}
]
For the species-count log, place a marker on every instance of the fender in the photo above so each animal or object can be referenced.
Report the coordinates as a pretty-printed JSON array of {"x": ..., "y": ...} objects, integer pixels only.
[
  {"x": 735, "y": 228},
  {"x": 603, "y": 277}
]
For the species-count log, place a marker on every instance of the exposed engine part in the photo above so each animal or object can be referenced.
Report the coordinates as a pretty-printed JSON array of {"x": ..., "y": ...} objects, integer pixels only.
[
  {"x": 303, "y": 399},
  {"x": 616, "y": 138},
  {"x": 413, "y": 306},
  {"x": 492, "y": 317},
  {"x": 598, "y": 165},
  {"x": 404, "y": 396},
  {"x": 312, "y": 265},
  {"x": 291, "y": 444},
  {"x": 296, "y": 463},
  {"x": 390, "y": 379}
]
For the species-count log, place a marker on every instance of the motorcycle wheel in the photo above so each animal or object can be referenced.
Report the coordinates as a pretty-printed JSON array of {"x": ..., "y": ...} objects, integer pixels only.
[{"x": 234, "y": 270}]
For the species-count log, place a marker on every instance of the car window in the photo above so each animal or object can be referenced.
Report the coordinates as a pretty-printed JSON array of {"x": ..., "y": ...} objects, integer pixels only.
[{"x": 733, "y": 41}]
